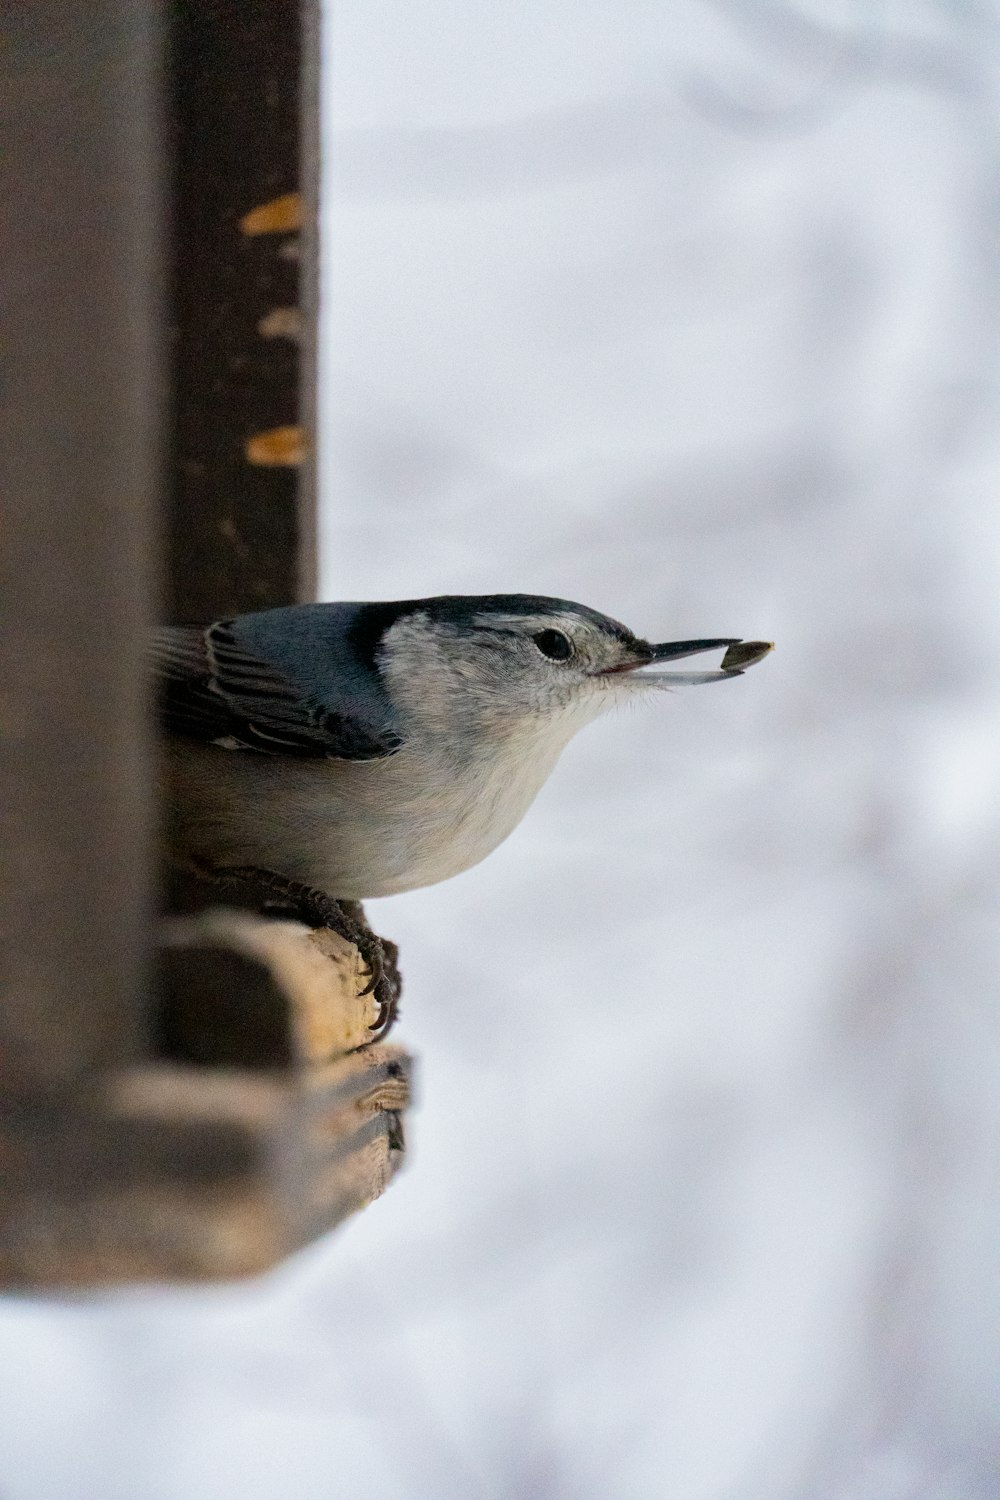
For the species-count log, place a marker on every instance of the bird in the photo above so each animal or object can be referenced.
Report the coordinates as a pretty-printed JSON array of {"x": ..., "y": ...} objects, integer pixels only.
[{"x": 322, "y": 754}]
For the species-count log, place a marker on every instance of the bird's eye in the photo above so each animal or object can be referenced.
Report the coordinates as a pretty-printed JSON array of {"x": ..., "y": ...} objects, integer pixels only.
[{"x": 553, "y": 644}]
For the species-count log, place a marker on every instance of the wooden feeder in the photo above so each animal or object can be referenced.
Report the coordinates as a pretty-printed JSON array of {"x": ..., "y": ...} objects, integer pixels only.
[{"x": 179, "y": 1097}]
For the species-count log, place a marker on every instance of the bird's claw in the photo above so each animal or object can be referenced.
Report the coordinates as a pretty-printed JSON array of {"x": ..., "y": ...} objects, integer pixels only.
[
  {"x": 346, "y": 918},
  {"x": 374, "y": 960},
  {"x": 388, "y": 1009},
  {"x": 387, "y": 991},
  {"x": 381, "y": 956}
]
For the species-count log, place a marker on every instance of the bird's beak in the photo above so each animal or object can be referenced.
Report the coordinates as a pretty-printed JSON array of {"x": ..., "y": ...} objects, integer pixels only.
[{"x": 738, "y": 656}]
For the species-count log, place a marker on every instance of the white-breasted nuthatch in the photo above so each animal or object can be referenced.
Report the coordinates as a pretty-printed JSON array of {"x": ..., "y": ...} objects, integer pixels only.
[{"x": 331, "y": 752}]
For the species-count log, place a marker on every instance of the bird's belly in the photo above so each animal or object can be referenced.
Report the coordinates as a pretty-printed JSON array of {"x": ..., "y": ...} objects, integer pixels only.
[
  {"x": 354, "y": 829},
  {"x": 409, "y": 840}
]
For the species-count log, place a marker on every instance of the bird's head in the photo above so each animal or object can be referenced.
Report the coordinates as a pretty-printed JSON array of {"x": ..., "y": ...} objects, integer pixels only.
[{"x": 519, "y": 663}]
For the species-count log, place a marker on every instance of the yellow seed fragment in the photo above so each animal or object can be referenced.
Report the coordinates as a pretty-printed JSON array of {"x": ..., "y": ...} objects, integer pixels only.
[
  {"x": 279, "y": 447},
  {"x": 279, "y": 216},
  {"x": 281, "y": 323}
]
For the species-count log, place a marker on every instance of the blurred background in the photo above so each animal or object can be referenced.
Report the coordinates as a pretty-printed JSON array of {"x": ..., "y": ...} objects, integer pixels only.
[{"x": 689, "y": 313}]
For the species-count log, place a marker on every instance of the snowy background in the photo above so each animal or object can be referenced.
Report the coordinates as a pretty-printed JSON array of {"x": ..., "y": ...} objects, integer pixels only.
[{"x": 688, "y": 311}]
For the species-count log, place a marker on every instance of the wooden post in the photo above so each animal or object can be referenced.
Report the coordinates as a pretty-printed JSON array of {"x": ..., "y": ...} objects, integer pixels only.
[
  {"x": 80, "y": 336},
  {"x": 241, "y": 530},
  {"x": 205, "y": 1119}
]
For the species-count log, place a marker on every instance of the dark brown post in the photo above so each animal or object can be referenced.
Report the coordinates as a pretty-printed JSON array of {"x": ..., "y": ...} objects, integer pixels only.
[
  {"x": 157, "y": 335},
  {"x": 80, "y": 396},
  {"x": 243, "y": 275}
]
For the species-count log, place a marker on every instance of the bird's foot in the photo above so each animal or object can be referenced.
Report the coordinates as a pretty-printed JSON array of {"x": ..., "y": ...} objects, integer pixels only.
[
  {"x": 346, "y": 918},
  {"x": 382, "y": 957}
]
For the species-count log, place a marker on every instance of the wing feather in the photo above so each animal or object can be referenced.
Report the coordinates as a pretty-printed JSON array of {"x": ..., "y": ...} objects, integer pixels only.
[{"x": 212, "y": 688}]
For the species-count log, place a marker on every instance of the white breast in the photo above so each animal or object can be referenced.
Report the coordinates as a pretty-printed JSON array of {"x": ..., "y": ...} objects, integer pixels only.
[
  {"x": 353, "y": 829},
  {"x": 424, "y": 821}
]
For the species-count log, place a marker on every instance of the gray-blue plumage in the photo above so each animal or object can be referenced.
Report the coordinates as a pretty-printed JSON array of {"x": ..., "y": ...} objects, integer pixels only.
[
  {"x": 304, "y": 680},
  {"x": 289, "y": 681},
  {"x": 390, "y": 745}
]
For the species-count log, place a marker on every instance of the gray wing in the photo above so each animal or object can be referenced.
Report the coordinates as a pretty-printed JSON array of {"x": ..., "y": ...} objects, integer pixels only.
[{"x": 211, "y": 687}]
